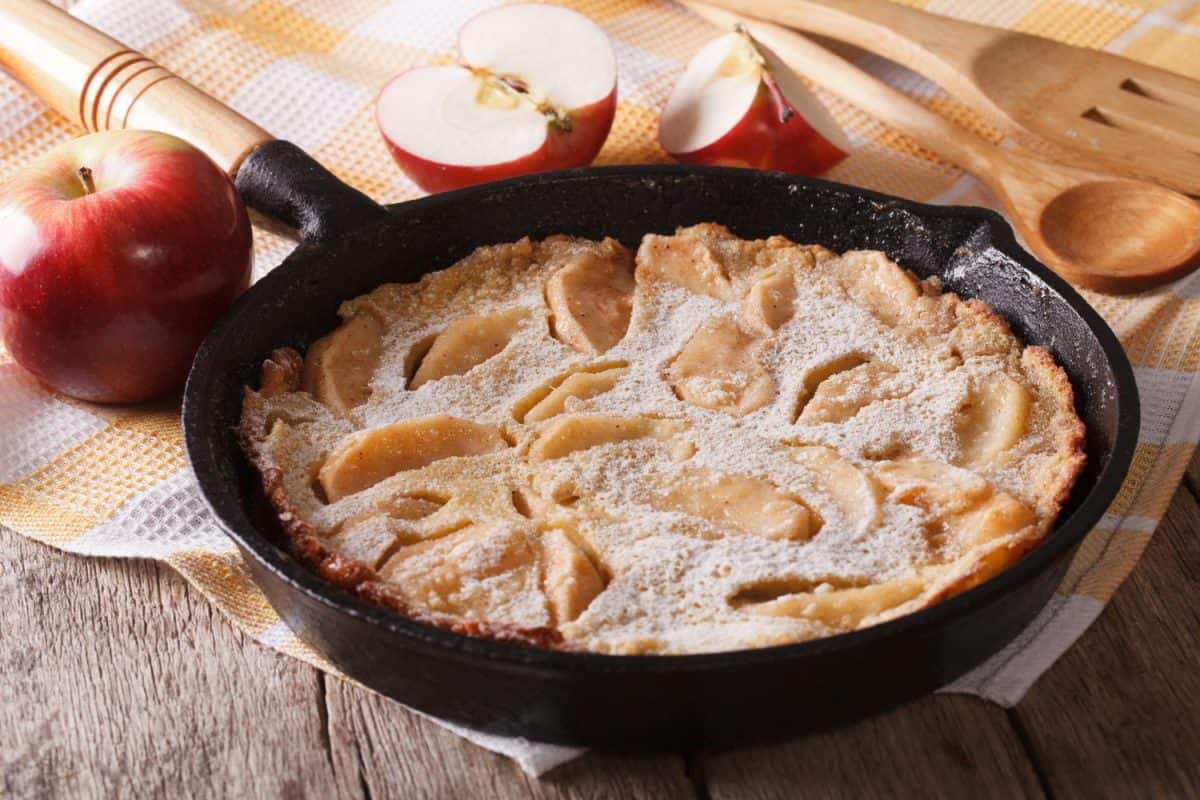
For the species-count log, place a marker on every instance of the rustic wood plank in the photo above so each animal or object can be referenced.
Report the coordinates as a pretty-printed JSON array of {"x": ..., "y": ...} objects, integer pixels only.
[
  {"x": 118, "y": 681},
  {"x": 402, "y": 755},
  {"x": 938, "y": 746},
  {"x": 1119, "y": 715}
]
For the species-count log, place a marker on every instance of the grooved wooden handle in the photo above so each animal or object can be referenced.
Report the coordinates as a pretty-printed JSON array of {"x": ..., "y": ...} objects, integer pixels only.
[{"x": 97, "y": 82}]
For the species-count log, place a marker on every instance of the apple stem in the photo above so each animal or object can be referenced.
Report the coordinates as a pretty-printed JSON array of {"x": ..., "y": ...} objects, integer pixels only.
[
  {"x": 782, "y": 106},
  {"x": 85, "y": 177}
]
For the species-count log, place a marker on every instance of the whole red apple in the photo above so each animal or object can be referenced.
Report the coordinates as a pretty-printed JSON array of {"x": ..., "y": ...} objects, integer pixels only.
[
  {"x": 535, "y": 89},
  {"x": 118, "y": 251},
  {"x": 737, "y": 104}
]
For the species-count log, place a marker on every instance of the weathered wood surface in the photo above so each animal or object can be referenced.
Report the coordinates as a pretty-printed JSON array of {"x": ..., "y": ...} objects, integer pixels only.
[
  {"x": 1119, "y": 714},
  {"x": 117, "y": 680}
]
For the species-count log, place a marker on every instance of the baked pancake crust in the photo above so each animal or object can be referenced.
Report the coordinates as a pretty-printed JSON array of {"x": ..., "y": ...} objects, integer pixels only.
[{"x": 715, "y": 444}]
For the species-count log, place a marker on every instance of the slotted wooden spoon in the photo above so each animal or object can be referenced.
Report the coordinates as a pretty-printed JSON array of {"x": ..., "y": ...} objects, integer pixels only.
[
  {"x": 1082, "y": 107},
  {"x": 1104, "y": 232}
]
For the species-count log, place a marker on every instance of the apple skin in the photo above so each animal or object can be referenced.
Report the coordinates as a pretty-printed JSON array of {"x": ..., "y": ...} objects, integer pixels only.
[
  {"x": 760, "y": 140},
  {"x": 590, "y": 125},
  {"x": 106, "y": 296}
]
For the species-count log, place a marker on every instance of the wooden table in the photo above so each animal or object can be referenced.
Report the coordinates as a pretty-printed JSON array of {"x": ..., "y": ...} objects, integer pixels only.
[{"x": 116, "y": 679}]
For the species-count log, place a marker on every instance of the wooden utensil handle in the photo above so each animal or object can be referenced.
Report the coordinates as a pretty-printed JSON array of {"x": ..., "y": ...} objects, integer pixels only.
[
  {"x": 101, "y": 84},
  {"x": 941, "y": 48},
  {"x": 863, "y": 90}
]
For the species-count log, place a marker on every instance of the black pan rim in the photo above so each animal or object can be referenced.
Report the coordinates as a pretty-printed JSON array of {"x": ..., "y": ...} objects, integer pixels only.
[{"x": 1065, "y": 535}]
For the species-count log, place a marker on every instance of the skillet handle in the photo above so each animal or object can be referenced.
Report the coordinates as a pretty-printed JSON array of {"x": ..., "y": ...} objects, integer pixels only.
[{"x": 101, "y": 84}]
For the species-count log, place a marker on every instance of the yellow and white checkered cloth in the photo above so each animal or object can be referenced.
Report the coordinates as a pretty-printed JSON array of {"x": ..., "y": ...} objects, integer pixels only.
[{"x": 113, "y": 482}]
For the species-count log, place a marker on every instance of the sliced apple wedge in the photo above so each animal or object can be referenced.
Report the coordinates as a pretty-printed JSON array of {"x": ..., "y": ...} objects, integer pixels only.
[
  {"x": 365, "y": 458},
  {"x": 771, "y": 301},
  {"x": 579, "y": 386},
  {"x": 855, "y": 493},
  {"x": 719, "y": 369},
  {"x": 738, "y": 104},
  {"x": 338, "y": 367},
  {"x": 567, "y": 435},
  {"x": 590, "y": 301},
  {"x": 684, "y": 261},
  {"x": 994, "y": 419},
  {"x": 570, "y": 580},
  {"x": 843, "y": 394},
  {"x": 500, "y": 577},
  {"x": 1000, "y": 515},
  {"x": 843, "y": 608},
  {"x": 535, "y": 89},
  {"x": 871, "y": 278},
  {"x": 467, "y": 343},
  {"x": 751, "y": 505},
  {"x": 933, "y": 486}
]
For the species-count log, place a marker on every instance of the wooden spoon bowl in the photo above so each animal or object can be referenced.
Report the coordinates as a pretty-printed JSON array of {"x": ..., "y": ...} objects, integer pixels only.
[{"x": 1130, "y": 231}]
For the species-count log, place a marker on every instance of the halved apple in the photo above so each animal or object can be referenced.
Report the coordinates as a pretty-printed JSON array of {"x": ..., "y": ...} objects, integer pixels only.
[
  {"x": 738, "y": 104},
  {"x": 535, "y": 89}
]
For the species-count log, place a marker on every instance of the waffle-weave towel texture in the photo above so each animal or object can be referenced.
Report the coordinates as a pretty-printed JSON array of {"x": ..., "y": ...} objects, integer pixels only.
[{"x": 113, "y": 482}]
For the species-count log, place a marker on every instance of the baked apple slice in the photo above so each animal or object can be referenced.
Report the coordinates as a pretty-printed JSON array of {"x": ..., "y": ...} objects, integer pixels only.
[
  {"x": 371, "y": 536},
  {"x": 576, "y": 387},
  {"x": 590, "y": 301},
  {"x": 843, "y": 607},
  {"x": 467, "y": 343},
  {"x": 751, "y": 505},
  {"x": 571, "y": 581},
  {"x": 843, "y": 394},
  {"x": 771, "y": 301},
  {"x": 685, "y": 261},
  {"x": 967, "y": 510},
  {"x": 871, "y": 278},
  {"x": 499, "y": 580},
  {"x": 365, "y": 458},
  {"x": 338, "y": 367},
  {"x": 936, "y": 487},
  {"x": 566, "y": 435},
  {"x": 994, "y": 419},
  {"x": 719, "y": 369},
  {"x": 857, "y": 495}
]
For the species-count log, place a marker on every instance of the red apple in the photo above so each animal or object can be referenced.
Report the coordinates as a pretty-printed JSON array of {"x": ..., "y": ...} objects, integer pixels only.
[
  {"x": 118, "y": 251},
  {"x": 535, "y": 89},
  {"x": 737, "y": 104}
]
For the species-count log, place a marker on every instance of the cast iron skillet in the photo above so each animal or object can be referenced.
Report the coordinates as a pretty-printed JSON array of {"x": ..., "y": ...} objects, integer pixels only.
[
  {"x": 658, "y": 701},
  {"x": 351, "y": 245}
]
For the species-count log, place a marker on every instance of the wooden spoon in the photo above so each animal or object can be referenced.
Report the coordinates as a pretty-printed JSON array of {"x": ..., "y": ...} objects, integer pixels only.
[{"x": 1100, "y": 231}]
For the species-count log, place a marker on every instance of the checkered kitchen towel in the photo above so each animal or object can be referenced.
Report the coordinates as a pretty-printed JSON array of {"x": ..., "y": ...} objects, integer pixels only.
[{"x": 113, "y": 482}]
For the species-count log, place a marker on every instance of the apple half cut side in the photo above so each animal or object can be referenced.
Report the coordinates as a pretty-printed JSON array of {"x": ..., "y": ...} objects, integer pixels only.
[
  {"x": 737, "y": 104},
  {"x": 535, "y": 89}
]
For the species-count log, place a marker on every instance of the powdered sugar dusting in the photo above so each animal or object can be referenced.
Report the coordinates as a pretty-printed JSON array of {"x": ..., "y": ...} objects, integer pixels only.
[{"x": 675, "y": 579}]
